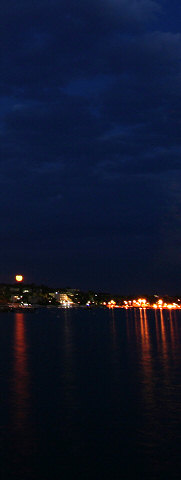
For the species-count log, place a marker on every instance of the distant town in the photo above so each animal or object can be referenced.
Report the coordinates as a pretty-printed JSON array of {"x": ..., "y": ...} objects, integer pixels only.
[{"x": 29, "y": 296}]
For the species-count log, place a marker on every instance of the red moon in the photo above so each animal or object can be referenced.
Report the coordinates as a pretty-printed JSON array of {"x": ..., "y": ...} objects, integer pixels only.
[{"x": 19, "y": 278}]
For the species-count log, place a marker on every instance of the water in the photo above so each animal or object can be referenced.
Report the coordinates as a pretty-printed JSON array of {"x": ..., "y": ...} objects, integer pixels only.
[{"x": 90, "y": 394}]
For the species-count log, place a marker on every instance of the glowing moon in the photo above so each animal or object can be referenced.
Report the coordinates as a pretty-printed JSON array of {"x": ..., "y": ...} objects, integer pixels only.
[{"x": 19, "y": 278}]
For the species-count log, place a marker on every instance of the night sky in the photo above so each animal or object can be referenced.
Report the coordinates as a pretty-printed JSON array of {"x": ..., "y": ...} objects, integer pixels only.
[{"x": 91, "y": 144}]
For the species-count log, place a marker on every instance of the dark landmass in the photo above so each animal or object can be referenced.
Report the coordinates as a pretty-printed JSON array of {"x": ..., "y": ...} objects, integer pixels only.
[{"x": 31, "y": 294}]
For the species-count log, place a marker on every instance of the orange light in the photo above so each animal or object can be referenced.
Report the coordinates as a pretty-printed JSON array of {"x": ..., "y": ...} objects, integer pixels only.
[{"x": 19, "y": 278}]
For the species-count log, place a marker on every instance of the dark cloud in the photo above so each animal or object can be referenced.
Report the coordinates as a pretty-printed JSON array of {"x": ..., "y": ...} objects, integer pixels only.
[{"x": 90, "y": 135}]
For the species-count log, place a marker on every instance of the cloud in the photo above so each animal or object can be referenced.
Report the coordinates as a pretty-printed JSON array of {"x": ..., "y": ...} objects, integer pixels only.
[{"x": 90, "y": 119}]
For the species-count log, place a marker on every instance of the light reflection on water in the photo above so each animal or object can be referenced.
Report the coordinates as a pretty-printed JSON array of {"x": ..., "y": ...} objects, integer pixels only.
[
  {"x": 69, "y": 366},
  {"x": 158, "y": 380},
  {"x": 147, "y": 360},
  {"x": 91, "y": 389},
  {"x": 21, "y": 392},
  {"x": 23, "y": 439}
]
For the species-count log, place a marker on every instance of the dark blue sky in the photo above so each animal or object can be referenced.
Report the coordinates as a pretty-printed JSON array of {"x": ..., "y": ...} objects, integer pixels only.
[{"x": 91, "y": 143}]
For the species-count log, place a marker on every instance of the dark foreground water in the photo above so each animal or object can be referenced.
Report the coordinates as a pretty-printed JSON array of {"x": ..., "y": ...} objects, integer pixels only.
[{"x": 90, "y": 394}]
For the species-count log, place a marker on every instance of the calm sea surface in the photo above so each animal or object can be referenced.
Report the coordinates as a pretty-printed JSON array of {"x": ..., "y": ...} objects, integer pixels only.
[{"x": 90, "y": 394}]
